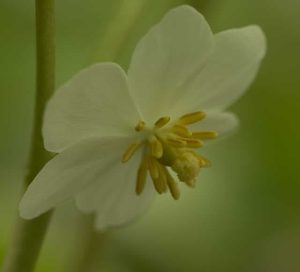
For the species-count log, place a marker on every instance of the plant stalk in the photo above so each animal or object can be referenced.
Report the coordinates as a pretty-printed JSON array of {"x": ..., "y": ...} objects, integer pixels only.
[{"x": 28, "y": 236}]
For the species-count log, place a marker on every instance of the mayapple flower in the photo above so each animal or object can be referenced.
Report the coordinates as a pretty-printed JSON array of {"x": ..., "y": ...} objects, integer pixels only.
[{"x": 122, "y": 138}]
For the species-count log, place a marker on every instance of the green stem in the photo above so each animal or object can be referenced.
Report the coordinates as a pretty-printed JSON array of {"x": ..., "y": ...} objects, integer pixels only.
[{"x": 28, "y": 235}]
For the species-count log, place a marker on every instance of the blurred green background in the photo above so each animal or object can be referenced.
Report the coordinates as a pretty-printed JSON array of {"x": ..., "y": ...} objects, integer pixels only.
[{"x": 244, "y": 214}]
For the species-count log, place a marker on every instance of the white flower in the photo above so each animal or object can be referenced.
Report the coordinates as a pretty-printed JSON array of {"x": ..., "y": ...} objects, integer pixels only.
[{"x": 111, "y": 130}]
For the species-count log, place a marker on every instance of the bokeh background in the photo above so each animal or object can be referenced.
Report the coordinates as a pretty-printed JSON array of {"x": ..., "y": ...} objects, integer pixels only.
[{"x": 244, "y": 214}]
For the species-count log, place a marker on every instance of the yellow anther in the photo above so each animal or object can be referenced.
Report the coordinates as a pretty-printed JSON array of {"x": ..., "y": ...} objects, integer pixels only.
[
  {"x": 162, "y": 121},
  {"x": 160, "y": 183},
  {"x": 209, "y": 134},
  {"x": 132, "y": 148},
  {"x": 176, "y": 141},
  {"x": 153, "y": 168},
  {"x": 156, "y": 147},
  {"x": 172, "y": 185},
  {"x": 181, "y": 131},
  {"x": 141, "y": 177},
  {"x": 193, "y": 143},
  {"x": 191, "y": 118},
  {"x": 163, "y": 178},
  {"x": 140, "y": 126}
]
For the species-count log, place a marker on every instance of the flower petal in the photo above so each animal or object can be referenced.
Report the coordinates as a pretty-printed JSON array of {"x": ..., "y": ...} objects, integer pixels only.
[
  {"x": 221, "y": 122},
  {"x": 166, "y": 58},
  {"x": 95, "y": 102},
  {"x": 228, "y": 72},
  {"x": 71, "y": 171},
  {"x": 113, "y": 196}
]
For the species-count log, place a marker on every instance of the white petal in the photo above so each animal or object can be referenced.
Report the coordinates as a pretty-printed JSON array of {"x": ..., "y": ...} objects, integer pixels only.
[
  {"x": 228, "y": 72},
  {"x": 71, "y": 171},
  {"x": 95, "y": 102},
  {"x": 221, "y": 122},
  {"x": 113, "y": 196},
  {"x": 166, "y": 58}
]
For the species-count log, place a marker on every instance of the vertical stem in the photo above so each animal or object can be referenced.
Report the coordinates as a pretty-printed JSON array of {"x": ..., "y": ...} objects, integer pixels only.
[
  {"x": 45, "y": 80},
  {"x": 25, "y": 245},
  {"x": 28, "y": 235}
]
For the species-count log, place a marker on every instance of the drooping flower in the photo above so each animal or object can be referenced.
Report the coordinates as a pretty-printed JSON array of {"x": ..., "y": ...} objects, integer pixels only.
[{"x": 121, "y": 138}]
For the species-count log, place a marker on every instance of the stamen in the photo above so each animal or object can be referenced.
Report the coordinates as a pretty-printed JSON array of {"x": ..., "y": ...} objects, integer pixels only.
[
  {"x": 193, "y": 143},
  {"x": 160, "y": 183},
  {"x": 205, "y": 135},
  {"x": 140, "y": 126},
  {"x": 176, "y": 141},
  {"x": 153, "y": 168},
  {"x": 141, "y": 177},
  {"x": 181, "y": 131},
  {"x": 132, "y": 148},
  {"x": 172, "y": 147},
  {"x": 162, "y": 121},
  {"x": 172, "y": 185},
  {"x": 156, "y": 147},
  {"x": 163, "y": 178},
  {"x": 191, "y": 118}
]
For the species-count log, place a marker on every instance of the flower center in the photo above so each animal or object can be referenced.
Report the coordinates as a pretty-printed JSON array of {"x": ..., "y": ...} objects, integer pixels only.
[{"x": 169, "y": 146}]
